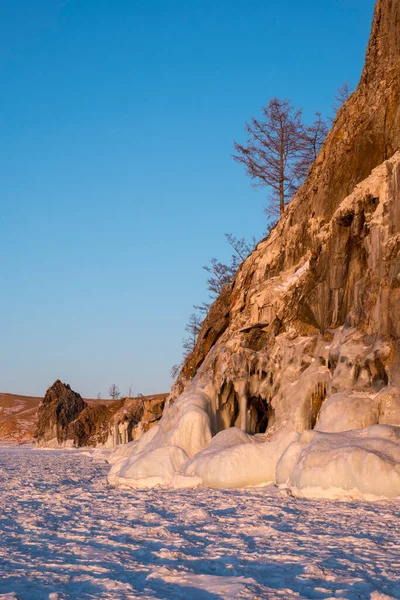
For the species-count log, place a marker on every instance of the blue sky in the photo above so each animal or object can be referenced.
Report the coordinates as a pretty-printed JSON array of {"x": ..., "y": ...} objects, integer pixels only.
[{"x": 117, "y": 183}]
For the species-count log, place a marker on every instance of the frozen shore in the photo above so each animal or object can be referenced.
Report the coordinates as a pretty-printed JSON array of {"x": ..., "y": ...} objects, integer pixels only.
[{"x": 66, "y": 533}]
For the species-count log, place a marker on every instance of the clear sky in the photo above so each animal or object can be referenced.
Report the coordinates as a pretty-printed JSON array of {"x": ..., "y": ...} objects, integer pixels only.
[{"x": 117, "y": 122}]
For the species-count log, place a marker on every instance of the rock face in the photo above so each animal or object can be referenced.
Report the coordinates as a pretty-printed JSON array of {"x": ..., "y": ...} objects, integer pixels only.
[
  {"x": 92, "y": 425},
  {"x": 312, "y": 320},
  {"x": 365, "y": 134},
  {"x": 60, "y": 407},
  {"x": 134, "y": 417}
]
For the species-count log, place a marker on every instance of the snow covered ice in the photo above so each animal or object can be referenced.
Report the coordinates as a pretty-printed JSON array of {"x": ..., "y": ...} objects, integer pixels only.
[
  {"x": 351, "y": 452},
  {"x": 66, "y": 534}
]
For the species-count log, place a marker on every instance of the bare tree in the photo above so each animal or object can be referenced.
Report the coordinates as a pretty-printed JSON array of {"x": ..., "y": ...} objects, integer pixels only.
[
  {"x": 98, "y": 396},
  {"x": 240, "y": 245},
  {"x": 114, "y": 392},
  {"x": 313, "y": 137},
  {"x": 176, "y": 369},
  {"x": 273, "y": 154},
  {"x": 220, "y": 275},
  {"x": 343, "y": 93},
  {"x": 203, "y": 308},
  {"x": 130, "y": 391},
  {"x": 193, "y": 328}
]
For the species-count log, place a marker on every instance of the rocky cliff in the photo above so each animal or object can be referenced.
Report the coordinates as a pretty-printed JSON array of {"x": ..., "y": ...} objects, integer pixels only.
[
  {"x": 365, "y": 134},
  {"x": 306, "y": 339}
]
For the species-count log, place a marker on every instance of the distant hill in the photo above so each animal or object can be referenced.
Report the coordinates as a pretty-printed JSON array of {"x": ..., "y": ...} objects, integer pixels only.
[{"x": 18, "y": 417}]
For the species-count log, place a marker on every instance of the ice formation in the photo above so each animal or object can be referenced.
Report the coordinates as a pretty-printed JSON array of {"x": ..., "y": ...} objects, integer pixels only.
[
  {"x": 355, "y": 464},
  {"x": 317, "y": 412},
  {"x": 235, "y": 459}
]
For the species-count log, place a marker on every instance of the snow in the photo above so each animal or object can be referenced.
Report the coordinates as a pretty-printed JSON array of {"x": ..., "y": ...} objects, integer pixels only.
[
  {"x": 353, "y": 464},
  {"x": 292, "y": 279},
  {"x": 67, "y": 534}
]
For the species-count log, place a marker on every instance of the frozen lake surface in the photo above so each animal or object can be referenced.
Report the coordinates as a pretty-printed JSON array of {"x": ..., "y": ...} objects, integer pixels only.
[{"x": 66, "y": 533}]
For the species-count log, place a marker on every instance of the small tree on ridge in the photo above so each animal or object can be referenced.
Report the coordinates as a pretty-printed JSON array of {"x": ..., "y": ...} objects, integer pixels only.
[{"x": 114, "y": 392}]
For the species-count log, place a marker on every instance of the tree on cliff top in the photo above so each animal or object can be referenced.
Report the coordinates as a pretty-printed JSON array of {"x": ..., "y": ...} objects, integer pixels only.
[
  {"x": 273, "y": 154},
  {"x": 279, "y": 152}
]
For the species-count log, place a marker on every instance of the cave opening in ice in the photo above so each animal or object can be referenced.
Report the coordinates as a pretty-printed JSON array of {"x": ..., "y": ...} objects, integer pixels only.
[{"x": 247, "y": 411}]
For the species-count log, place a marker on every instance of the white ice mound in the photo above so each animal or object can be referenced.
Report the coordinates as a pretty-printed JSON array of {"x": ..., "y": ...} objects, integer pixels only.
[
  {"x": 348, "y": 410},
  {"x": 357, "y": 410},
  {"x": 353, "y": 464},
  {"x": 183, "y": 431},
  {"x": 235, "y": 459},
  {"x": 148, "y": 468}
]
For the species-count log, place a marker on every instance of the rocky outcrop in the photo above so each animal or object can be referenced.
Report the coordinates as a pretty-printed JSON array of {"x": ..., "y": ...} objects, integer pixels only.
[
  {"x": 328, "y": 323},
  {"x": 60, "y": 407},
  {"x": 366, "y": 133},
  {"x": 65, "y": 419},
  {"x": 333, "y": 258},
  {"x": 311, "y": 325}
]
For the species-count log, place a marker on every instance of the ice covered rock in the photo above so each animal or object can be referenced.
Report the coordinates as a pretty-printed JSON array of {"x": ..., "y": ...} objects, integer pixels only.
[
  {"x": 388, "y": 406},
  {"x": 133, "y": 418},
  {"x": 182, "y": 432},
  {"x": 357, "y": 410},
  {"x": 348, "y": 410},
  {"x": 148, "y": 468},
  {"x": 354, "y": 464}
]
